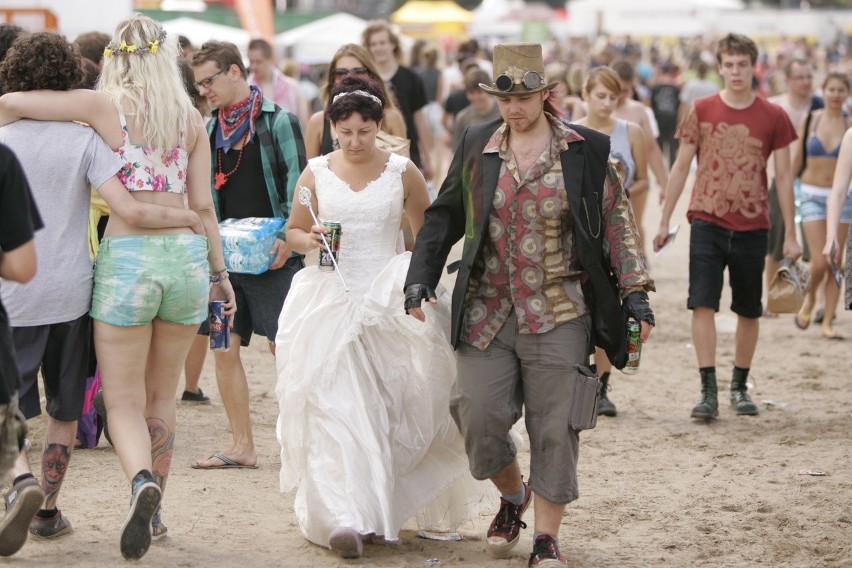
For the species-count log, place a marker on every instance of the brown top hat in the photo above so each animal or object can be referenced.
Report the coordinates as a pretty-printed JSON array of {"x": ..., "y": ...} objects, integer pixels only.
[{"x": 518, "y": 70}]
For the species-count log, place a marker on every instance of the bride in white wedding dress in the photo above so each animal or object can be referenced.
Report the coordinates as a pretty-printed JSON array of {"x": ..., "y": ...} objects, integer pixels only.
[{"x": 364, "y": 426}]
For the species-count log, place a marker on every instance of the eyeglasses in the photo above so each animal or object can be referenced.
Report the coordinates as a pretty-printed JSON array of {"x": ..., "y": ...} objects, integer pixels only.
[
  {"x": 208, "y": 81},
  {"x": 343, "y": 71},
  {"x": 532, "y": 80}
]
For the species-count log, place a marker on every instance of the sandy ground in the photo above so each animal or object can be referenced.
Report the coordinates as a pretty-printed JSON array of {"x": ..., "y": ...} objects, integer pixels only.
[{"x": 657, "y": 488}]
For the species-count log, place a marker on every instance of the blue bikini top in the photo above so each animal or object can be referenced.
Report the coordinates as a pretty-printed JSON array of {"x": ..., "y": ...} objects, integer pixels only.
[{"x": 814, "y": 147}]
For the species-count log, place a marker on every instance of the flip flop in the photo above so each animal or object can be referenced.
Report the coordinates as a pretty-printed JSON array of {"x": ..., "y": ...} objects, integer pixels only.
[
  {"x": 832, "y": 334},
  {"x": 227, "y": 463},
  {"x": 802, "y": 322}
]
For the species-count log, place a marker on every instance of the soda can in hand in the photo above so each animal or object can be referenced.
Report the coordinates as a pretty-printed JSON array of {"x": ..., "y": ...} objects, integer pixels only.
[{"x": 220, "y": 332}]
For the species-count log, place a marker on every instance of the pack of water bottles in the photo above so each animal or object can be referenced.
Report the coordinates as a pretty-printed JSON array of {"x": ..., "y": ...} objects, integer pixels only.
[{"x": 247, "y": 242}]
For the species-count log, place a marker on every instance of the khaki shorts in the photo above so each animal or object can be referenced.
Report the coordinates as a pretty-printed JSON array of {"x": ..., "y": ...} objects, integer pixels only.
[{"x": 516, "y": 374}]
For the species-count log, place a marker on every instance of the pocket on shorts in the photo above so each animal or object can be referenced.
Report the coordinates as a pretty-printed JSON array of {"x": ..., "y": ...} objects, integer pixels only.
[{"x": 585, "y": 391}]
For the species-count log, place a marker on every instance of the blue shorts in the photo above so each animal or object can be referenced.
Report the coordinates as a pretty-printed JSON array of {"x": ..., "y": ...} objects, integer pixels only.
[
  {"x": 140, "y": 277},
  {"x": 814, "y": 202}
]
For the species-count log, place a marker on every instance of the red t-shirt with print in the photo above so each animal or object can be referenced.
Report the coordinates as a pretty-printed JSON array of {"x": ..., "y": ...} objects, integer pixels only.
[{"x": 733, "y": 146}]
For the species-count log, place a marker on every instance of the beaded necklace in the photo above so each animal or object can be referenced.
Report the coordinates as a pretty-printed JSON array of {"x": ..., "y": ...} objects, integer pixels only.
[{"x": 221, "y": 177}]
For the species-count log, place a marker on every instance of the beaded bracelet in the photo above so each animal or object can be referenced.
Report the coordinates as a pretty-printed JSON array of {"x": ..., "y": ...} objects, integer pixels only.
[{"x": 218, "y": 276}]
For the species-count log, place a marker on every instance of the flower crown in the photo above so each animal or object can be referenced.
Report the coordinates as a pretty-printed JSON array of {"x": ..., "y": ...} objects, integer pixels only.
[{"x": 125, "y": 48}]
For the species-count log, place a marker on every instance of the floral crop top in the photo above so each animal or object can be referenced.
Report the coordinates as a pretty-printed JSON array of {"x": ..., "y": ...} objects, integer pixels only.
[{"x": 145, "y": 169}]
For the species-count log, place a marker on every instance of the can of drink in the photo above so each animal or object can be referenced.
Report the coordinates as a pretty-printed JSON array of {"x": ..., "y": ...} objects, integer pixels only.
[
  {"x": 634, "y": 347},
  {"x": 220, "y": 335},
  {"x": 333, "y": 237}
]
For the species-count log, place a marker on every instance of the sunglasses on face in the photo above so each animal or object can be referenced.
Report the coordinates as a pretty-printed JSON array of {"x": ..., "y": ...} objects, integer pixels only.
[
  {"x": 343, "y": 71},
  {"x": 208, "y": 81},
  {"x": 531, "y": 80}
]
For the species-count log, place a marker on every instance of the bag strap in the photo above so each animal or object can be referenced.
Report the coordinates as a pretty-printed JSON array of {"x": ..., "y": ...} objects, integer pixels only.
[{"x": 804, "y": 143}]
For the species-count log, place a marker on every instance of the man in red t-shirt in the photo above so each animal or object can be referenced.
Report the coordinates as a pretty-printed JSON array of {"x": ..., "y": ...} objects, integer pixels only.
[{"x": 732, "y": 133}]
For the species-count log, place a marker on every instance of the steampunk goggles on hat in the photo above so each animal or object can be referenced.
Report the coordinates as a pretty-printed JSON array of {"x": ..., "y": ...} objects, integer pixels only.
[{"x": 531, "y": 80}]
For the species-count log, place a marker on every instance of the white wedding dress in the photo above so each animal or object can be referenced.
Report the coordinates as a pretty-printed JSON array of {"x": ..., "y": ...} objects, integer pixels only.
[{"x": 364, "y": 425}]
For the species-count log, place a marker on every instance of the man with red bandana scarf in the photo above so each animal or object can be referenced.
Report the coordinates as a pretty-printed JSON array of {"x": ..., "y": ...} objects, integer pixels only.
[{"x": 258, "y": 154}]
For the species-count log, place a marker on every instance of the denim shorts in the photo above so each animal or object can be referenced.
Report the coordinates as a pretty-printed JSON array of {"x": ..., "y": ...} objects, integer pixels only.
[
  {"x": 814, "y": 202},
  {"x": 712, "y": 248},
  {"x": 141, "y": 277}
]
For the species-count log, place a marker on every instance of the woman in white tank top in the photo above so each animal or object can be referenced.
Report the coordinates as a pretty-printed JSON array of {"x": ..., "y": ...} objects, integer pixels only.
[{"x": 627, "y": 150}]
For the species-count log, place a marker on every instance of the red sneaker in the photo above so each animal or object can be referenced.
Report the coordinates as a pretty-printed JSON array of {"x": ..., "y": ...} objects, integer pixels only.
[{"x": 505, "y": 529}]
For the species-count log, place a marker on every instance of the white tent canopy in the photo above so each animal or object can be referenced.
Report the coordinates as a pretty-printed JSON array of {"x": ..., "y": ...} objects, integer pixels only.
[
  {"x": 199, "y": 31},
  {"x": 658, "y": 17},
  {"x": 317, "y": 41}
]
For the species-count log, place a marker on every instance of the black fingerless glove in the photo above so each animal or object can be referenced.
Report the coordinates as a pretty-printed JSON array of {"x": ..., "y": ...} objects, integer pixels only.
[
  {"x": 636, "y": 306},
  {"x": 416, "y": 293}
]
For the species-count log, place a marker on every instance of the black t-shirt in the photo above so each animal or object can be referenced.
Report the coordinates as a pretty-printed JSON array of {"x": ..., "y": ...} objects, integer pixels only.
[
  {"x": 665, "y": 100},
  {"x": 244, "y": 194},
  {"x": 19, "y": 219},
  {"x": 410, "y": 97}
]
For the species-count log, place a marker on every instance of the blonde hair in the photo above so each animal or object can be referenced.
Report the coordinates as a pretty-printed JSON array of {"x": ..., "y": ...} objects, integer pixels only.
[
  {"x": 605, "y": 77},
  {"x": 148, "y": 85}
]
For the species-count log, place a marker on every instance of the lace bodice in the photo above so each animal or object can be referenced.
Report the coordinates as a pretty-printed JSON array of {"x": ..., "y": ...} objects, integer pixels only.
[{"x": 369, "y": 218}]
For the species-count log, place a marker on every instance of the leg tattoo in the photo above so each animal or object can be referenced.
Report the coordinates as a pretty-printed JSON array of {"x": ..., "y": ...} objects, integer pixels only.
[
  {"x": 162, "y": 446},
  {"x": 54, "y": 463}
]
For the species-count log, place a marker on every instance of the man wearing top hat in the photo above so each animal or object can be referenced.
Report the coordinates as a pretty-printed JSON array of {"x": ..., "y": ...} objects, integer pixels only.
[{"x": 534, "y": 201}]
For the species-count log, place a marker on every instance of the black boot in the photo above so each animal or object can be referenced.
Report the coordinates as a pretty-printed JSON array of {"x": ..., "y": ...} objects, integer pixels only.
[
  {"x": 708, "y": 407},
  {"x": 740, "y": 399},
  {"x": 605, "y": 405}
]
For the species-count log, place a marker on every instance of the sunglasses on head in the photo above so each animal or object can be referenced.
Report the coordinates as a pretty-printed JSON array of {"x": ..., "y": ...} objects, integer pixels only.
[
  {"x": 531, "y": 80},
  {"x": 343, "y": 71}
]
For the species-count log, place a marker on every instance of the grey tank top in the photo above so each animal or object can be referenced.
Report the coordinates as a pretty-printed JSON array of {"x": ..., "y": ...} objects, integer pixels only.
[{"x": 620, "y": 150}]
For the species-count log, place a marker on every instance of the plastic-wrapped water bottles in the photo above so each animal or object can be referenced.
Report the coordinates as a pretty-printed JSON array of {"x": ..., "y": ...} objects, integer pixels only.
[{"x": 247, "y": 242}]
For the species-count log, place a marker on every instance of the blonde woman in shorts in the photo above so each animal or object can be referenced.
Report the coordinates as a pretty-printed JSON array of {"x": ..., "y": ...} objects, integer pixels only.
[{"x": 151, "y": 286}]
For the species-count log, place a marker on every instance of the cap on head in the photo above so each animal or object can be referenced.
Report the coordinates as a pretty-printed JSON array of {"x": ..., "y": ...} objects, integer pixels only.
[{"x": 518, "y": 70}]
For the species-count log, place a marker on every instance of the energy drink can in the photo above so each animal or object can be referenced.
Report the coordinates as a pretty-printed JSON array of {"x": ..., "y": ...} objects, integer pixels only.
[
  {"x": 634, "y": 347},
  {"x": 220, "y": 334},
  {"x": 333, "y": 237}
]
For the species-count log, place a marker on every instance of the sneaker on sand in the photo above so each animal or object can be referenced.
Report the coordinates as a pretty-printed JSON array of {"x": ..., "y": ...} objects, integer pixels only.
[
  {"x": 195, "y": 397},
  {"x": 50, "y": 527},
  {"x": 346, "y": 543},
  {"x": 144, "y": 502},
  {"x": 546, "y": 553},
  {"x": 22, "y": 503},
  {"x": 505, "y": 529}
]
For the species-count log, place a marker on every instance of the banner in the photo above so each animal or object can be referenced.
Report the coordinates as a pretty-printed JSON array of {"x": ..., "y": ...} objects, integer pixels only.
[{"x": 257, "y": 18}]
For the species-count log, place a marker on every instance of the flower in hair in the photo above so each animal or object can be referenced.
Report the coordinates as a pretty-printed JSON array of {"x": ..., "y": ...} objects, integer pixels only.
[{"x": 151, "y": 46}]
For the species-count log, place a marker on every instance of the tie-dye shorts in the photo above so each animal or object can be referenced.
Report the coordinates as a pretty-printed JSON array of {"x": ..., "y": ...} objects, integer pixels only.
[{"x": 140, "y": 277}]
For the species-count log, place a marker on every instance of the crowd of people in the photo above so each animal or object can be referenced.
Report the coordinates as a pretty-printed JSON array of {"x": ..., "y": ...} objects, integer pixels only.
[{"x": 397, "y": 397}]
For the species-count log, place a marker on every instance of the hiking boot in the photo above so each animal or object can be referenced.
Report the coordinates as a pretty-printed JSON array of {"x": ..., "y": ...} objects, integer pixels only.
[
  {"x": 100, "y": 408},
  {"x": 505, "y": 529},
  {"x": 195, "y": 397},
  {"x": 708, "y": 407},
  {"x": 50, "y": 527},
  {"x": 740, "y": 399},
  {"x": 23, "y": 501},
  {"x": 144, "y": 502},
  {"x": 605, "y": 405},
  {"x": 546, "y": 553}
]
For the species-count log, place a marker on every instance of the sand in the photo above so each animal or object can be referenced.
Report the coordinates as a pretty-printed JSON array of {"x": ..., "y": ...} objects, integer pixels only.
[{"x": 657, "y": 489}]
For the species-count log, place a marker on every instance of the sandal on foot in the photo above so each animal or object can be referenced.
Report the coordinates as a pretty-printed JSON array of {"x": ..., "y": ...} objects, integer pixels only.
[
  {"x": 227, "y": 463},
  {"x": 831, "y": 333},
  {"x": 802, "y": 321}
]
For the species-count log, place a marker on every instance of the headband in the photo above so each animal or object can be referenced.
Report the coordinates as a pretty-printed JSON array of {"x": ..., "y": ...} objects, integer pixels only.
[
  {"x": 358, "y": 92},
  {"x": 125, "y": 48}
]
